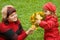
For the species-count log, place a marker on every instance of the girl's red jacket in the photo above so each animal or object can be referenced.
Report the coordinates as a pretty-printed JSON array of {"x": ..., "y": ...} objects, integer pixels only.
[{"x": 50, "y": 25}]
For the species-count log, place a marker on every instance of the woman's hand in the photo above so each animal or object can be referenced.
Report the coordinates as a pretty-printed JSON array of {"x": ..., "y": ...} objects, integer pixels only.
[{"x": 31, "y": 30}]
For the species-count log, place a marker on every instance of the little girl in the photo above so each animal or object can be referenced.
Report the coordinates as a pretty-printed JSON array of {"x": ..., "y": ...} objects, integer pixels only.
[{"x": 50, "y": 23}]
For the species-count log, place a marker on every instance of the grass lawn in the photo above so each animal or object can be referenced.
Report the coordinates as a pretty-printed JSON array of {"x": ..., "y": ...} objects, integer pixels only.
[{"x": 25, "y": 8}]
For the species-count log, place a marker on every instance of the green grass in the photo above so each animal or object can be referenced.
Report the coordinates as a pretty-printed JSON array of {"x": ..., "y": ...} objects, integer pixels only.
[{"x": 25, "y": 8}]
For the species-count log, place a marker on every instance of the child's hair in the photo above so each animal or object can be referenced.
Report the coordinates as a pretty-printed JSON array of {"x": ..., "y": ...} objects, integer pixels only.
[{"x": 53, "y": 14}]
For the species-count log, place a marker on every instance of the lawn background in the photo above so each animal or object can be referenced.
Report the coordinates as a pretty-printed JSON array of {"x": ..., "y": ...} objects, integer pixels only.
[{"x": 25, "y": 8}]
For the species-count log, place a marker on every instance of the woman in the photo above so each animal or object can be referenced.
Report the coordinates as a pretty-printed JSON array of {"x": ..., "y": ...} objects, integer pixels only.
[
  {"x": 50, "y": 23},
  {"x": 10, "y": 27}
]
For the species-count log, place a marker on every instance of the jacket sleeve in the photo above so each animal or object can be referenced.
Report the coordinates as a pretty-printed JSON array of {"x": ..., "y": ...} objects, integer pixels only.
[
  {"x": 7, "y": 33},
  {"x": 22, "y": 36},
  {"x": 47, "y": 24}
]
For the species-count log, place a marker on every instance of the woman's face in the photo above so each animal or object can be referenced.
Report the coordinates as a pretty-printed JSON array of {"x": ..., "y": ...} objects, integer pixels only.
[
  {"x": 13, "y": 17},
  {"x": 47, "y": 12}
]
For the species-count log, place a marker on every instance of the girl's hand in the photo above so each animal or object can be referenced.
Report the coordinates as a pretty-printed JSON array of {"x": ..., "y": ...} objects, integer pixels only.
[
  {"x": 37, "y": 22},
  {"x": 38, "y": 19}
]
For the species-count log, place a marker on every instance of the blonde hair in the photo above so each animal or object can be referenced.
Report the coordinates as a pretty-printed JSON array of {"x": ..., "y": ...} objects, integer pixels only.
[{"x": 4, "y": 10}]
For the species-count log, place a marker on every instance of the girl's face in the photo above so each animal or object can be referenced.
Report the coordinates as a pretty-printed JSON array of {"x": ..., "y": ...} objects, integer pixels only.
[
  {"x": 13, "y": 17},
  {"x": 46, "y": 12}
]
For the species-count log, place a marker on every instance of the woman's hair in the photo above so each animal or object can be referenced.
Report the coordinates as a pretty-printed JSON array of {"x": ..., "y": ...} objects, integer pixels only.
[{"x": 10, "y": 10}]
